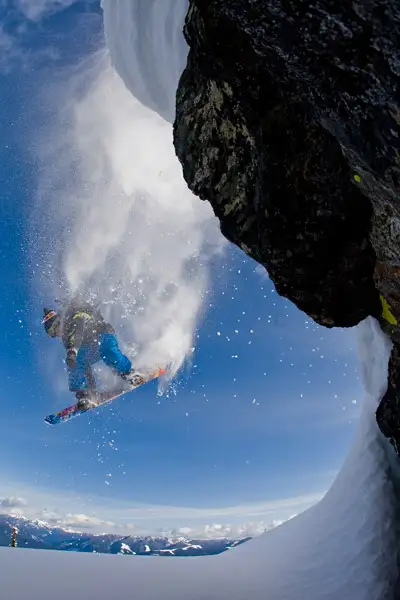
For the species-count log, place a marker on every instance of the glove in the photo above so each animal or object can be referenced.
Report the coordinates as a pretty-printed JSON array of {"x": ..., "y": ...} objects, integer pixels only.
[{"x": 71, "y": 358}]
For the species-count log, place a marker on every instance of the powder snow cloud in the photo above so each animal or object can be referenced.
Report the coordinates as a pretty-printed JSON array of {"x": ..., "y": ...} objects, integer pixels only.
[{"x": 123, "y": 227}]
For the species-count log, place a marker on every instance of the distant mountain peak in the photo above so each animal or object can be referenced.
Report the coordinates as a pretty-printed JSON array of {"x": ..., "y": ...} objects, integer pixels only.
[{"x": 40, "y": 534}]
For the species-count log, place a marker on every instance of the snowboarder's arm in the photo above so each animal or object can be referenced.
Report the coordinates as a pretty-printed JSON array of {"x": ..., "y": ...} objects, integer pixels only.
[{"x": 76, "y": 329}]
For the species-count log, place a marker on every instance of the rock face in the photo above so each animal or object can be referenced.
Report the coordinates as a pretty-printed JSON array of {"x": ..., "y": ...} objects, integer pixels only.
[{"x": 287, "y": 122}]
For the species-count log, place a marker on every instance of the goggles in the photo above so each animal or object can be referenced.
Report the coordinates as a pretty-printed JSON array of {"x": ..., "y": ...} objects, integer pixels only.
[{"x": 50, "y": 315}]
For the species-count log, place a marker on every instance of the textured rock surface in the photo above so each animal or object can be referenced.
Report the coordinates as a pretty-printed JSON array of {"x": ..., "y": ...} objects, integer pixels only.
[{"x": 288, "y": 123}]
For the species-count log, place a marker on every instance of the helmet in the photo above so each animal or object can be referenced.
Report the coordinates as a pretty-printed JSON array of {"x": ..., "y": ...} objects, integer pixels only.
[{"x": 51, "y": 321}]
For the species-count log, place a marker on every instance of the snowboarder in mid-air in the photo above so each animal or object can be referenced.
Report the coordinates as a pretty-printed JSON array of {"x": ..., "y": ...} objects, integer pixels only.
[{"x": 87, "y": 338}]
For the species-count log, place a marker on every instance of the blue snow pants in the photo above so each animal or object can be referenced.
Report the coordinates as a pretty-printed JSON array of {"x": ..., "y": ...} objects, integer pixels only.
[{"x": 105, "y": 349}]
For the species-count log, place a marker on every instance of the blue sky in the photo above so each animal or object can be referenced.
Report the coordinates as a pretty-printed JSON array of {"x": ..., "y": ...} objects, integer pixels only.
[{"x": 257, "y": 422}]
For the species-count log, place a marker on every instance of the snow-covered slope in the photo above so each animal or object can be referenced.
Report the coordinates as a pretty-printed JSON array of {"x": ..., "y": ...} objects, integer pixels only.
[{"x": 344, "y": 548}]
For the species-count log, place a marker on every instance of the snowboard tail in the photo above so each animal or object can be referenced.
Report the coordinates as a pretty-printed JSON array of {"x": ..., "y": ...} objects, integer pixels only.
[{"x": 102, "y": 398}]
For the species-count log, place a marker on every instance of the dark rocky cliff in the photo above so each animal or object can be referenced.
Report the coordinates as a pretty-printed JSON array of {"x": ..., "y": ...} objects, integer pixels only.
[{"x": 287, "y": 122}]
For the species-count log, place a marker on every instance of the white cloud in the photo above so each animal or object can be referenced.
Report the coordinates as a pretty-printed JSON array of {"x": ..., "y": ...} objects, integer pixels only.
[
  {"x": 69, "y": 510},
  {"x": 93, "y": 524},
  {"x": 12, "y": 502},
  {"x": 123, "y": 226},
  {"x": 79, "y": 520},
  {"x": 16, "y": 51},
  {"x": 35, "y": 10},
  {"x": 10, "y": 51},
  {"x": 267, "y": 509},
  {"x": 228, "y": 530}
]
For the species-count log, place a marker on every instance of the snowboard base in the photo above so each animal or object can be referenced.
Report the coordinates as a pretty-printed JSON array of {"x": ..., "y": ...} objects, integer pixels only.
[{"x": 103, "y": 398}]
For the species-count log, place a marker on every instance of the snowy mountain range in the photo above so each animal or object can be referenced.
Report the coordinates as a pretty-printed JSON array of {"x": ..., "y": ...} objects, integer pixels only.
[{"x": 41, "y": 535}]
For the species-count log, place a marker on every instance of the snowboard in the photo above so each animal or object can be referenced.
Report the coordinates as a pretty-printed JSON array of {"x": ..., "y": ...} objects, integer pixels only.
[{"x": 103, "y": 398}]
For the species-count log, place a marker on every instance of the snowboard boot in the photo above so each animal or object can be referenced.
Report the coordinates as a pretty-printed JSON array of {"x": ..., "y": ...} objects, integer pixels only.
[
  {"x": 132, "y": 378},
  {"x": 85, "y": 399}
]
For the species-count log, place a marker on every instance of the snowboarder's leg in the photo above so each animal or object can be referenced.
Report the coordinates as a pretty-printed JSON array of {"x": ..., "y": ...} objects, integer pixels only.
[
  {"x": 114, "y": 358},
  {"x": 81, "y": 378},
  {"x": 112, "y": 355},
  {"x": 77, "y": 376}
]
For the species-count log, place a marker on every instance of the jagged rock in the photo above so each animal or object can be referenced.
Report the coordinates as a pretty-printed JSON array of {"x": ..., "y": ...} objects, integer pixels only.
[
  {"x": 287, "y": 122},
  {"x": 388, "y": 413}
]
